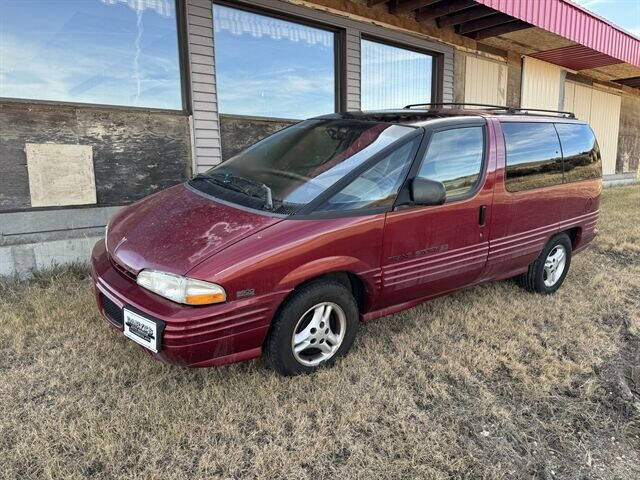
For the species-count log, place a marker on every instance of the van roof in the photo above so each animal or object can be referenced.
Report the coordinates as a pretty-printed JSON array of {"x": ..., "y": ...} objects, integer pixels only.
[{"x": 419, "y": 115}]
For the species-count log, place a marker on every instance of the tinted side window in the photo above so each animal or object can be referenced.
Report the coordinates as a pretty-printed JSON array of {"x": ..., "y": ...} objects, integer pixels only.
[
  {"x": 377, "y": 186},
  {"x": 534, "y": 159},
  {"x": 581, "y": 153},
  {"x": 454, "y": 157}
]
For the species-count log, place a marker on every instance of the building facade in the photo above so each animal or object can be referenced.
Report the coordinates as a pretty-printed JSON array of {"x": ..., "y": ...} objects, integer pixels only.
[{"x": 106, "y": 101}]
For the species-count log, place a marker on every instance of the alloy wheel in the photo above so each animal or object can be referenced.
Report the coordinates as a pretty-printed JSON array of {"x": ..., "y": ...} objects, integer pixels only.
[
  {"x": 318, "y": 334},
  {"x": 554, "y": 265}
]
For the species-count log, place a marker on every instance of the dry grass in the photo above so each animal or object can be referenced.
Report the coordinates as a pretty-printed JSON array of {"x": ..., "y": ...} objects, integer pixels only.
[{"x": 489, "y": 383}]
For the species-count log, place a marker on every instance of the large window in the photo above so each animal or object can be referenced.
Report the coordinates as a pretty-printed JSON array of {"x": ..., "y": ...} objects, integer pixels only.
[
  {"x": 580, "y": 150},
  {"x": 534, "y": 158},
  {"x": 455, "y": 158},
  {"x": 117, "y": 52},
  {"x": 392, "y": 77},
  {"x": 269, "y": 67}
]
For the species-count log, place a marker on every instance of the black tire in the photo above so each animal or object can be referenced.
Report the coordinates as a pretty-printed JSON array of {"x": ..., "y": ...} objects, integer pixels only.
[
  {"x": 278, "y": 345},
  {"x": 534, "y": 279}
]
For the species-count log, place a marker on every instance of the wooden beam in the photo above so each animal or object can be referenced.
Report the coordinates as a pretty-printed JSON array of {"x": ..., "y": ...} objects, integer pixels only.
[
  {"x": 500, "y": 30},
  {"x": 486, "y": 22},
  {"x": 371, "y": 3},
  {"x": 465, "y": 16},
  {"x": 409, "y": 5},
  {"x": 444, "y": 8}
]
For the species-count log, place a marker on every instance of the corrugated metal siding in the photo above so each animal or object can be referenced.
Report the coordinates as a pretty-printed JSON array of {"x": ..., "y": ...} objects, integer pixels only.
[
  {"x": 541, "y": 83},
  {"x": 206, "y": 125},
  {"x": 602, "y": 110},
  {"x": 352, "y": 67},
  {"x": 572, "y": 22},
  {"x": 485, "y": 81}
]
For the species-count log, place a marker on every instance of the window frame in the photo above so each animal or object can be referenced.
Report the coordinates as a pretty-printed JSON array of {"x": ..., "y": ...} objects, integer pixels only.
[
  {"x": 339, "y": 50},
  {"x": 436, "y": 64},
  {"x": 183, "y": 65},
  {"x": 403, "y": 199},
  {"x": 504, "y": 139}
]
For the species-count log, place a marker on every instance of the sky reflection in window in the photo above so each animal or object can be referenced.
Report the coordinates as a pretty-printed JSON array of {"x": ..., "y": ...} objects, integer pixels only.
[
  {"x": 115, "y": 52},
  {"x": 268, "y": 67}
]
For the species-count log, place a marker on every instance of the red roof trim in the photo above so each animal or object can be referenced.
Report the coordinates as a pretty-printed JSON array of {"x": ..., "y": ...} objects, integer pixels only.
[
  {"x": 574, "y": 23},
  {"x": 576, "y": 57}
]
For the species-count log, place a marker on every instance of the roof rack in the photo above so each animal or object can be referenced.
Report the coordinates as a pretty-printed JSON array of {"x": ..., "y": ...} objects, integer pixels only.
[{"x": 509, "y": 110}]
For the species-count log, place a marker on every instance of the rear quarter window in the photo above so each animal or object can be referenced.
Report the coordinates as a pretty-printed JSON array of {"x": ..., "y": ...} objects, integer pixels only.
[
  {"x": 534, "y": 158},
  {"x": 580, "y": 151}
]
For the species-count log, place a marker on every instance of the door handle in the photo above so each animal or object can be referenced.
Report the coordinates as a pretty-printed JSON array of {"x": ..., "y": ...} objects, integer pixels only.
[{"x": 483, "y": 215}]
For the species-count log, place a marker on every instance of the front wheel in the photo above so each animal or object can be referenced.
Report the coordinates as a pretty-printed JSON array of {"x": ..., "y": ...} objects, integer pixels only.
[
  {"x": 315, "y": 326},
  {"x": 548, "y": 271}
]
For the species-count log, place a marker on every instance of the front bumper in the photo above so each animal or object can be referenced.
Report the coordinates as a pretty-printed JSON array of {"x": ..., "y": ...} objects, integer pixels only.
[{"x": 193, "y": 336}]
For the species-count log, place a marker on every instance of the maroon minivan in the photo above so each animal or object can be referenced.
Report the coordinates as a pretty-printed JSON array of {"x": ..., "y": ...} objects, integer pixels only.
[{"x": 288, "y": 246}]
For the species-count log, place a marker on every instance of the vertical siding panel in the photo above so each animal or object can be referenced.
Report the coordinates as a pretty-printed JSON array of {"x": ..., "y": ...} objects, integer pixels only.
[
  {"x": 485, "y": 81},
  {"x": 605, "y": 121},
  {"x": 200, "y": 34},
  {"x": 352, "y": 69},
  {"x": 541, "y": 84}
]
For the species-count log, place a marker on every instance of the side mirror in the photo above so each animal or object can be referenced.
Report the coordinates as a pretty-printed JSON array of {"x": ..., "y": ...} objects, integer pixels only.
[{"x": 427, "y": 192}]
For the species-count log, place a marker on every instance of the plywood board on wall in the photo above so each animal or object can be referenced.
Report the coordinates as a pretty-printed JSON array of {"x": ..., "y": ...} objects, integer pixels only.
[
  {"x": 60, "y": 174},
  {"x": 485, "y": 81}
]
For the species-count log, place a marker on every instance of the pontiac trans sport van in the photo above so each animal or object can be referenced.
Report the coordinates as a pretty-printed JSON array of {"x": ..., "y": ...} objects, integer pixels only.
[{"x": 287, "y": 247}]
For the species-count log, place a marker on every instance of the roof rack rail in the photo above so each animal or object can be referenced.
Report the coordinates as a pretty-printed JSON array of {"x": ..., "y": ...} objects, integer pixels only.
[{"x": 510, "y": 110}]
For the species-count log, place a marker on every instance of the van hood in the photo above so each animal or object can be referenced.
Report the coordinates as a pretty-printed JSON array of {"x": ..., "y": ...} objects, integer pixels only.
[{"x": 175, "y": 229}]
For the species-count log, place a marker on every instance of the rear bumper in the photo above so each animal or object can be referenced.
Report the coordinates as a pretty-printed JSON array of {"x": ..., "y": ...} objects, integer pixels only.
[{"x": 193, "y": 336}]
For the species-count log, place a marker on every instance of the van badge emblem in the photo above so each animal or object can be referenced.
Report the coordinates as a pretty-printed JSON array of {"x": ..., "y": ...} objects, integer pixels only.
[{"x": 245, "y": 293}]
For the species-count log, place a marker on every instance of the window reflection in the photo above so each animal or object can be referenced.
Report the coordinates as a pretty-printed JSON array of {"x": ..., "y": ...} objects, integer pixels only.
[
  {"x": 533, "y": 156},
  {"x": 269, "y": 67},
  {"x": 581, "y": 153},
  {"x": 454, "y": 158},
  {"x": 393, "y": 77},
  {"x": 117, "y": 52},
  {"x": 378, "y": 186}
]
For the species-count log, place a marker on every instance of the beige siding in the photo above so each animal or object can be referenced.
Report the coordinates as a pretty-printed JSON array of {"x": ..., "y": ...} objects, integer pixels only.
[
  {"x": 602, "y": 110},
  {"x": 485, "y": 81},
  {"x": 541, "y": 83},
  {"x": 605, "y": 121}
]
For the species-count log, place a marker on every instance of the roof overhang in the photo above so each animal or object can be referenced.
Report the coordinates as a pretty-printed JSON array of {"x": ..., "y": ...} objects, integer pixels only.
[
  {"x": 576, "y": 24},
  {"x": 556, "y": 31}
]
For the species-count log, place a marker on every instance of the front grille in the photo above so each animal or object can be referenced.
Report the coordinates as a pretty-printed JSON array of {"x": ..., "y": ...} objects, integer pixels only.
[{"x": 112, "y": 311}]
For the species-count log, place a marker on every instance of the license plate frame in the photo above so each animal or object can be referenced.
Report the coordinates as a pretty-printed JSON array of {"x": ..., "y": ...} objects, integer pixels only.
[{"x": 143, "y": 330}]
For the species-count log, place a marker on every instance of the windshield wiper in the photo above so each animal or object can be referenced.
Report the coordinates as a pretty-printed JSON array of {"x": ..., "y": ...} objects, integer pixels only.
[
  {"x": 228, "y": 178},
  {"x": 221, "y": 183}
]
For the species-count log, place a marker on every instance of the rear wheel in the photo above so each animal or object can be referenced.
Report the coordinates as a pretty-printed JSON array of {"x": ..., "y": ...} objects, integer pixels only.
[
  {"x": 548, "y": 271},
  {"x": 317, "y": 325}
]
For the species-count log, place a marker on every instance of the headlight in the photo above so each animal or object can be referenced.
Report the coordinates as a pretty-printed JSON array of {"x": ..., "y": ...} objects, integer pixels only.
[{"x": 181, "y": 289}]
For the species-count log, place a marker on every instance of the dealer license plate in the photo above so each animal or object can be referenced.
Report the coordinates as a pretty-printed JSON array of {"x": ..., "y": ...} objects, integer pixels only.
[{"x": 141, "y": 330}]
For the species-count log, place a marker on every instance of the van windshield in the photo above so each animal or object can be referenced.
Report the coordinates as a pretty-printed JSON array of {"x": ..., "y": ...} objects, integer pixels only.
[{"x": 290, "y": 168}]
